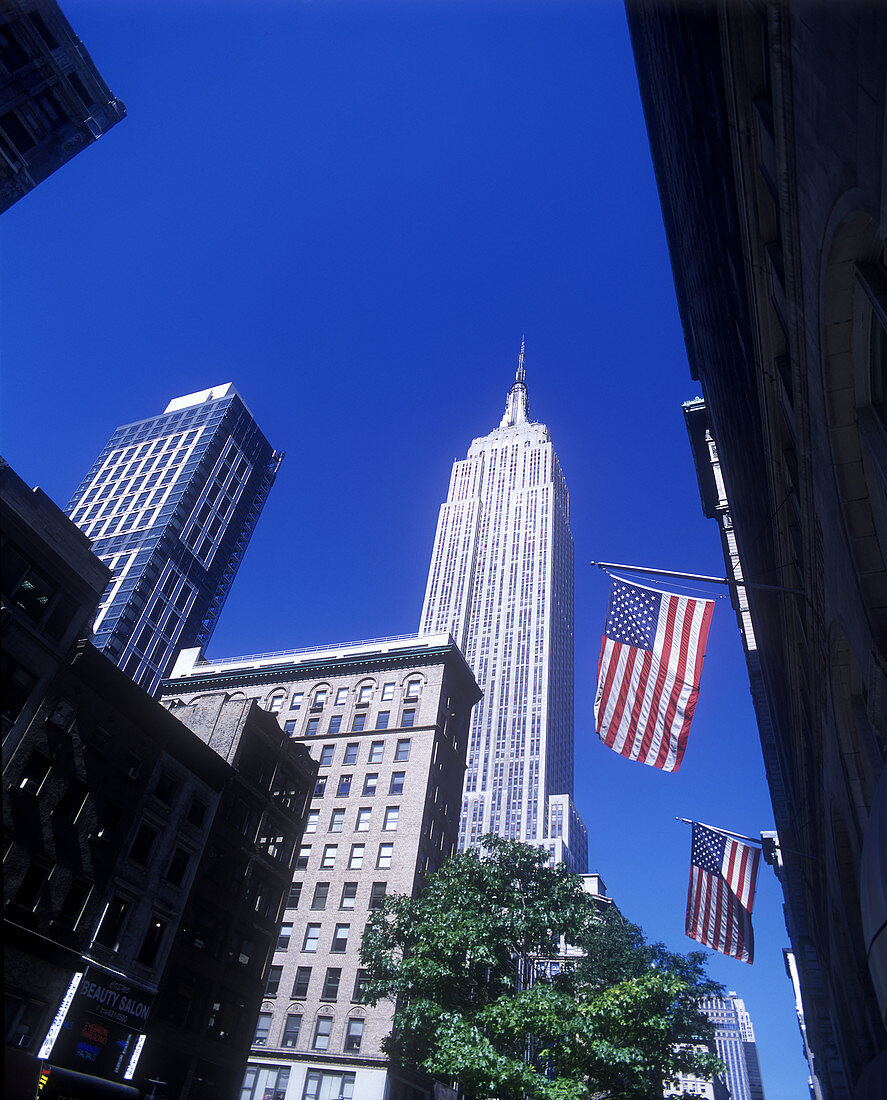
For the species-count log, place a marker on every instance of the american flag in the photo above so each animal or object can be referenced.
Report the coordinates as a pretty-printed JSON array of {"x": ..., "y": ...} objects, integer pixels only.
[
  {"x": 648, "y": 672},
  {"x": 722, "y": 892}
]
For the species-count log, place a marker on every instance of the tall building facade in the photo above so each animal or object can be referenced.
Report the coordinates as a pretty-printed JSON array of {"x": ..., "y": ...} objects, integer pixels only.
[
  {"x": 767, "y": 129},
  {"x": 53, "y": 101},
  {"x": 735, "y": 1043},
  {"x": 387, "y": 724},
  {"x": 170, "y": 505},
  {"x": 501, "y": 582}
]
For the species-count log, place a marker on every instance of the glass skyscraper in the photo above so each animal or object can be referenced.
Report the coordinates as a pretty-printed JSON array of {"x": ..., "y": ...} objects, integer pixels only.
[
  {"x": 736, "y": 1046},
  {"x": 170, "y": 505},
  {"x": 501, "y": 582}
]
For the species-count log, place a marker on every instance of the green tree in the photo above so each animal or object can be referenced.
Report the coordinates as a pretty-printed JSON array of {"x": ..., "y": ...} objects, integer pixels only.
[{"x": 459, "y": 960}]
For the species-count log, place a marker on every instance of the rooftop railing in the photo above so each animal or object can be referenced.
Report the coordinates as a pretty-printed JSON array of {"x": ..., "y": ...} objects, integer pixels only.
[{"x": 362, "y": 643}]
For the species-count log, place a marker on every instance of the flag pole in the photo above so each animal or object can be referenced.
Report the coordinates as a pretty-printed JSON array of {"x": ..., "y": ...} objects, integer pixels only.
[
  {"x": 718, "y": 829},
  {"x": 697, "y": 577}
]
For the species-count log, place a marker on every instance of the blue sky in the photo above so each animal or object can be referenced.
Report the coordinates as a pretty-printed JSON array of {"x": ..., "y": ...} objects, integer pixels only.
[{"x": 353, "y": 211}]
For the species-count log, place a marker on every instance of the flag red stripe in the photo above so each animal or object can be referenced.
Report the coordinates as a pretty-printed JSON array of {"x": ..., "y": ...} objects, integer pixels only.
[
  {"x": 646, "y": 698},
  {"x": 661, "y": 675},
  {"x": 680, "y": 675}
]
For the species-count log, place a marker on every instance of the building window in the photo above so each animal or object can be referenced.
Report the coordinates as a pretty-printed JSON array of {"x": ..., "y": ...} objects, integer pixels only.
[
  {"x": 383, "y": 860},
  {"x": 108, "y": 934},
  {"x": 355, "y": 860},
  {"x": 382, "y": 719},
  {"x": 329, "y": 856},
  {"x": 319, "y": 698},
  {"x": 311, "y": 821},
  {"x": 344, "y": 788},
  {"x": 178, "y": 865},
  {"x": 265, "y": 1083},
  {"x": 196, "y": 813},
  {"x": 359, "y": 986},
  {"x": 369, "y": 784},
  {"x": 335, "y": 724},
  {"x": 326, "y": 755},
  {"x": 291, "y": 1029},
  {"x": 391, "y": 815},
  {"x": 321, "y": 893},
  {"x": 71, "y": 908},
  {"x": 365, "y": 693},
  {"x": 353, "y": 1035},
  {"x": 358, "y": 722},
  {"x": 302, "y": 981},
  {"x": 341, "y": 697},
  {"x": 34, "y": 773},
  {"x": 273, "y": 983},
  {"x": 312, "y": 935},
  {"x": 320, "y": 786},
  {"x": 283, "y": 937},
  {"x": 311, "y": 728},
  {"x": 263, "y": 1026},
  {"x": 363, "y": 819},
  {"x": 387, "y": 692},
  {"x": 295, "y": 892},
  {"x": 377, "y": 749},
  {"x": 351, "y": 753},
  {"x": 275, "y": 703},
  {"x": 327, "y": 1086},
  {"x": 408, "y": 719},
  {"x": 140, "y": 852},
  {"x": 337, "y": 821},
  {"x": 330, "y": 989},
  {"x": 322, "y": 1030},
  {"x": 166, "y": 788},
  {"x": 303, "y": 857},
  {"x": 377, "y": 895},
  {"x": 289, "y": 726},
  {"x": 296, "y": 701},
  {"x": 340, "y": 939},
  {"x": 349, "y": 894},
  {"x": 412, "y": 689},
  {"x": 396, "y": 784},
  {"x": 402, "y": 752},
  {"x": 24, "y": 1022}
]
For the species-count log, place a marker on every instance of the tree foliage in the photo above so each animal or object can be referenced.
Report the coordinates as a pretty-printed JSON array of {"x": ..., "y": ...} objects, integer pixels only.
[{"x": 460, "y": 960}]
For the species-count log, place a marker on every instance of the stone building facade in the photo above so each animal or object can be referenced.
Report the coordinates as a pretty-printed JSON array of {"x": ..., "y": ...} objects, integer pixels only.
[
  {"x": 387, "y": 725},
  {"x": 767, "y": 127},
  {"x": 53, "y": 100}
]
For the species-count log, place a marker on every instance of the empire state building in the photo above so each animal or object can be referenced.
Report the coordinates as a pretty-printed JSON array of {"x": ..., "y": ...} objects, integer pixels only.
[{"x": 501, "y": 582}]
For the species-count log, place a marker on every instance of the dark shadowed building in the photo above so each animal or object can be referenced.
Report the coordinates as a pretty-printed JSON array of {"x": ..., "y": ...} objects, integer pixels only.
[
  {"x": 53, "y": 102},
  {"x": 141, "y": 859},
  {"x": 767, "y": 127}
]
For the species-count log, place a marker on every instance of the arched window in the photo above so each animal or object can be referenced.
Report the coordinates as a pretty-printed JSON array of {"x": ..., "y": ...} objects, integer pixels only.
[{"x": 275, "y": 701}]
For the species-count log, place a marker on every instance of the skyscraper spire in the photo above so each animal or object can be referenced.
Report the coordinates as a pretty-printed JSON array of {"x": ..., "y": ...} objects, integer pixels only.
[
  {"x": 501, "y": 582},
  {"x": 517, "y": 407}
]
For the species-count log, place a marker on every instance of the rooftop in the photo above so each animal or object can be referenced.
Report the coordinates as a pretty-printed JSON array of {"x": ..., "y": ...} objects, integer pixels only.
[{"x": 190, "y": 663}]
